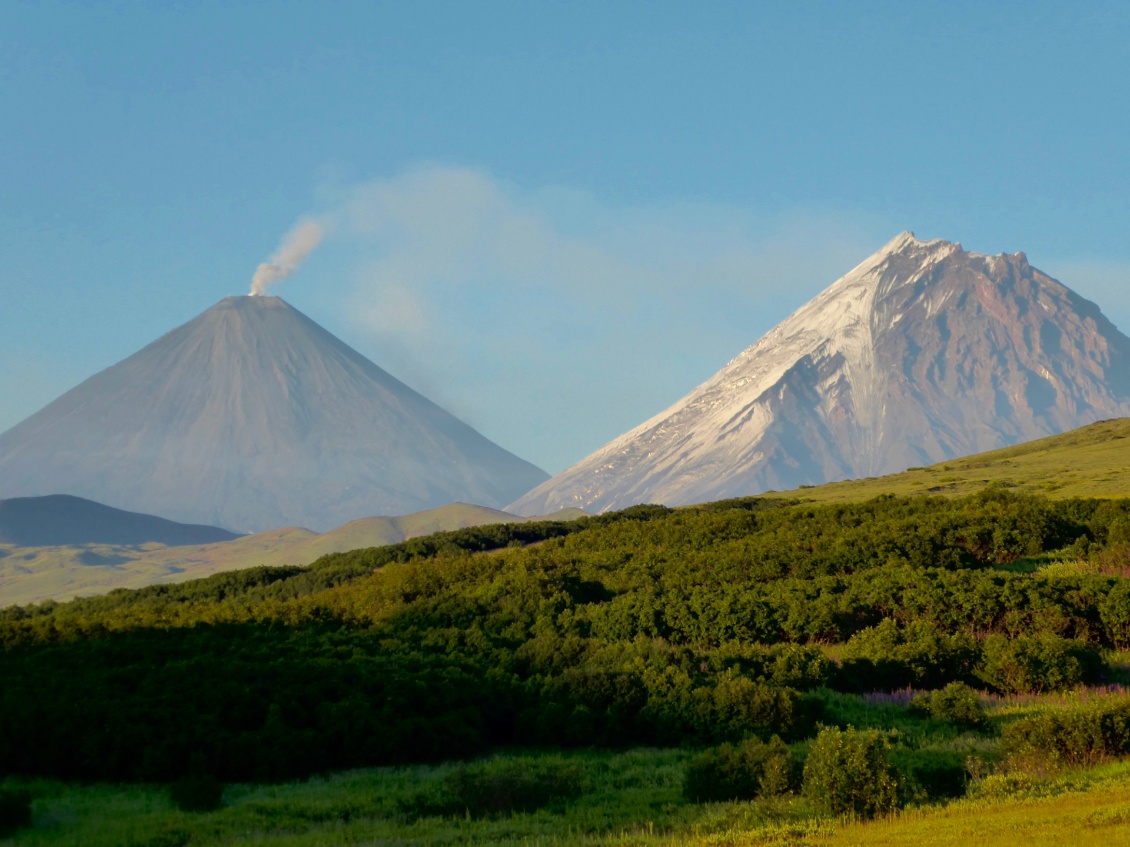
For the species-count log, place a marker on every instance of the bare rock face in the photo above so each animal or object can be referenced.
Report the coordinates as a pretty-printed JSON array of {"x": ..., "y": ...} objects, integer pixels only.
[
  {"x": 252, "y": 417},
  {"x": 923, "y": 352}
]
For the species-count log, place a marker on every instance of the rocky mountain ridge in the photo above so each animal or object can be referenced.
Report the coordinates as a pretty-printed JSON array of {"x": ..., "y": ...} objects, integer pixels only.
[{"x": 922, "y": 352}]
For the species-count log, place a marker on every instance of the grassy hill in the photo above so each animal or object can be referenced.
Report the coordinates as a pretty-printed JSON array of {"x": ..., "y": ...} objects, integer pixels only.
[
  {"x": 1090, "y": 462},
  {"x": 968, "y": 645},
  {"x": 1093, "y": 461},
  {"x": 34, "y": 574}
]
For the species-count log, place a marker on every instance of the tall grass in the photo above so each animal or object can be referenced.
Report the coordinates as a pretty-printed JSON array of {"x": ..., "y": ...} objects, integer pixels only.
[
  {"x": 1084, "y": 809},
  {"x": 627, "y": 798}
]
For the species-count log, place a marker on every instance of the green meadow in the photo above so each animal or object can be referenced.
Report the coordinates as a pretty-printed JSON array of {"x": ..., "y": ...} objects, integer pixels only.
[
  {"x": 631, "y": 798},
  {"x": 1093, "y": 461}
]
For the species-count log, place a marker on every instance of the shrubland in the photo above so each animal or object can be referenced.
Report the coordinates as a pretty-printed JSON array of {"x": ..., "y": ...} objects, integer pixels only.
[{"x": 793, "y": 650}]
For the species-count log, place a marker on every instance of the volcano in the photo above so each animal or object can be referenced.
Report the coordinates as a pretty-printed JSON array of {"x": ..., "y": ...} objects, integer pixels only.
[
  {"x": 922, "y": 353},
  {"x": 251, "y": 417}
]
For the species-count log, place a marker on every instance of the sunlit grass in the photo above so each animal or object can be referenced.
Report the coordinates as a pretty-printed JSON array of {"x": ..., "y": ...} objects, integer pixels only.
[
  {"x": 631, "y": 798},
  {"x": 1090, "y": 462},
  {"x": 1079, "y": 810}
]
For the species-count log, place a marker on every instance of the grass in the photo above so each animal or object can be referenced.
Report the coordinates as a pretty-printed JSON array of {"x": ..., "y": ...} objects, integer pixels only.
[
  {"x": 1090, "y": 462},
  {"x": 1081, "y": 810},
  {"x": 639, "y": 790},
  {"x": 633, "y": 800},
  {"x": 629, "y": 798}
]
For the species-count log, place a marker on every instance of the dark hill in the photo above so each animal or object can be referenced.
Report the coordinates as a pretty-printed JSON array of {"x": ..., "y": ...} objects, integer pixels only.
[{"x": 60, "y": 519}]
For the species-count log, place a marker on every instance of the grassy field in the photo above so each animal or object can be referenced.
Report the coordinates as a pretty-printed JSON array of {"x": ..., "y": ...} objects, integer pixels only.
[
  {"x": 1090, "y": 462},
  {"x": 1082, "y": 815},
  {"x": 623, "y": 798},
  {"x": 629, "y": 799}
]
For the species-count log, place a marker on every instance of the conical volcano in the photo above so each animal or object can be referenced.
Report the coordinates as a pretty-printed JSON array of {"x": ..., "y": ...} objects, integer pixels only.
[
  {"x": 923, "y": 352},
  {"x": 252, "y": 417}
]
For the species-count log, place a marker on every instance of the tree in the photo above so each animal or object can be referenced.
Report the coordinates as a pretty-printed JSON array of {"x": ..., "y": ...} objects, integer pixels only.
[{"x": 848, "y": 772}]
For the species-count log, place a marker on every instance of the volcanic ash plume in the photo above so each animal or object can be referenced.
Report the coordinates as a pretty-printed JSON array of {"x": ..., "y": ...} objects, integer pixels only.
[{"x": 297, "y": 245}]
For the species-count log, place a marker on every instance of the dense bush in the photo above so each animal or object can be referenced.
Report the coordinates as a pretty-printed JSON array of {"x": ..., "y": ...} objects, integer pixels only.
[
  {"x": 847, "y": 771},
  {"x": 645, "y": 627},
  {"x": 197, "y": 793},
  {"x": 916, "y": 655},
  {"x": 1041, "y": 662},
  {"x": 738, "y": 706},
  {"x": 956, "y": 703},
  {"x": 797, "y": 666},
  {"x": 753, "y": 768},
  {"x": 930, "y": 774},
  {"x": 1083, "y": 735},
  {"x": 1115, "y": 612},
  {"x": 15, "y": 811},
  {"x": 499, "y": 787}
]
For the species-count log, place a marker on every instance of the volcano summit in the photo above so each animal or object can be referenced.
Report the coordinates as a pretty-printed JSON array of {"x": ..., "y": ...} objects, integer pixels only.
[
  {"x": 252, "y": 417},
  {"x": 922, "y": 353}
]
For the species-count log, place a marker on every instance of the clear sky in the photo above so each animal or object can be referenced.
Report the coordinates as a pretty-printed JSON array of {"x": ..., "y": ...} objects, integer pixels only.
[{"x": 554, "y": 219}]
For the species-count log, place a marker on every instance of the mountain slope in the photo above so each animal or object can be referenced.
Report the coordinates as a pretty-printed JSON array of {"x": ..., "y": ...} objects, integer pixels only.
[
  {"x": 1093, "y": 461},
  {"x": 921, "y": 353},
  {"x": 59, "y": 519},
  {"x": 251, "y": 416}
]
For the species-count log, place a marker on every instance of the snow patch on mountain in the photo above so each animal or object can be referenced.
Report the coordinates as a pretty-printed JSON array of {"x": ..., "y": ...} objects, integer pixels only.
[{"x": 896, "y": 363}]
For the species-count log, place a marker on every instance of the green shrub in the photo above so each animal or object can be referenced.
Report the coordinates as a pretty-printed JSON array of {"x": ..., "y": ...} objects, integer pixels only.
[
  {"x": 15, "y": 811},
  {"x": 498, "y": 787},
  {"x": 915, "y": 655},
  {"x": 1041, "y": 662},
  {"x": 1084, "y": 735},
  {"x": 737, "y": 706},
  {"x": 956, "y": 703},
  {"x": 998, "y": 786},
  {"x": 931, "y": 774},
  {"x": 848, "y": 772},
  {"x": 741, "y": 772},
  {"x": 802, "y": 667},
  {"x": 1115, "y": 613},
  {"x": 198, "y": 792}
]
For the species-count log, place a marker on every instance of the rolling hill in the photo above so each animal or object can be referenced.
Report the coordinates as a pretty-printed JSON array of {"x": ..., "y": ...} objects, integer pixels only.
[
  {"x": 1093, "y": 461},
  {"x": 31, "y": 574}
]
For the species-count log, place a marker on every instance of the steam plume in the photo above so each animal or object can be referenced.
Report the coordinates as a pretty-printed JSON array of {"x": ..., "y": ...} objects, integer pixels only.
[{"x": 295, "y": 247}]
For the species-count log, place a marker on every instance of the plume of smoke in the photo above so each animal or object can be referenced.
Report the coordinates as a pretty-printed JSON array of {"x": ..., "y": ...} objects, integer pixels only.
[{"x": 295, "y": 247}]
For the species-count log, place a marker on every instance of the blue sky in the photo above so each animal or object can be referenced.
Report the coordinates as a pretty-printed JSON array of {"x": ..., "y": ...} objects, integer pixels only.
[{"x": 555, "y": 219}]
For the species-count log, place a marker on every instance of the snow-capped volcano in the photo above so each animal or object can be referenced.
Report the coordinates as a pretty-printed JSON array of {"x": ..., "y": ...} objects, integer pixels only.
[
  {"x": 252, "y": 417},
  {"x": 922, "y": 352}
]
